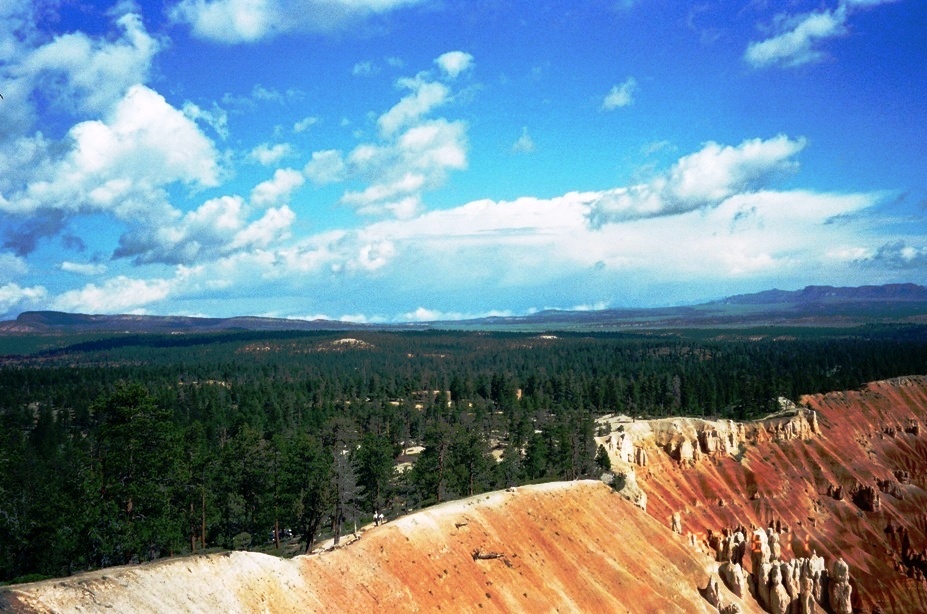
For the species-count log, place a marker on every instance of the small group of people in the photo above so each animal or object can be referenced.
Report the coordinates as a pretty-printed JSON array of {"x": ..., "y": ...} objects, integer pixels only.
[{"x": 378, "y": 518}]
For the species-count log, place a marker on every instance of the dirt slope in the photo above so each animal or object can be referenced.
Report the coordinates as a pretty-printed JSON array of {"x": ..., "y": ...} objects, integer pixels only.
[
  {"x": 565, "y": 547},
  {"x": 863, "y": 438}
]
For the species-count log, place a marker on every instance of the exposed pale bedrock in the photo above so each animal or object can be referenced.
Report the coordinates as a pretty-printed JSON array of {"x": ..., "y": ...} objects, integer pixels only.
[{"x": 842, "y": 475}]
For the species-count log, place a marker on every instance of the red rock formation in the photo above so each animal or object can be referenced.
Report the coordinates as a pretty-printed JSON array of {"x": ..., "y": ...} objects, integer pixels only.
[{"x": 789, "y": 477}]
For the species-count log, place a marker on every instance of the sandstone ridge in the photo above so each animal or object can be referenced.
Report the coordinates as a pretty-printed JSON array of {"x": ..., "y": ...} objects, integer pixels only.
[{"x": 574, "y": 546}]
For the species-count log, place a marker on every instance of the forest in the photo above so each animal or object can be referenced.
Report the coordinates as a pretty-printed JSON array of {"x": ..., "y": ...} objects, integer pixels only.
[{"x": 125, "y": 448}]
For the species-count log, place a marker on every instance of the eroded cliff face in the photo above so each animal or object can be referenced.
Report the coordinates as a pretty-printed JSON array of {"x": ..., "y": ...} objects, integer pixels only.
[
  {"x": 842, "y": 475},
  {"x": 824, "y": 504},
  {"x": 566, "y": 546}
]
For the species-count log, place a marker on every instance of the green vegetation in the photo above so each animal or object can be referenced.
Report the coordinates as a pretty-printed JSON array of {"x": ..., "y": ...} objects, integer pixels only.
[{"x": 126, "y": 448}]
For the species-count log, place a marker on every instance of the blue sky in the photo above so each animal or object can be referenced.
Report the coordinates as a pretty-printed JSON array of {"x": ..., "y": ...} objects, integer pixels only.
[{"x": 394, "y": 160}]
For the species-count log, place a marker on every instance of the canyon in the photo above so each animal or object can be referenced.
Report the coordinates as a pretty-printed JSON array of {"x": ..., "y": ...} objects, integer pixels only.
[{"x": 819, "y": 507}]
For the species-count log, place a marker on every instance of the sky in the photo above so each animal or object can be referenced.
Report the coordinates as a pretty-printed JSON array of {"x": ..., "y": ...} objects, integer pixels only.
[{"x": 410, "y": 160}]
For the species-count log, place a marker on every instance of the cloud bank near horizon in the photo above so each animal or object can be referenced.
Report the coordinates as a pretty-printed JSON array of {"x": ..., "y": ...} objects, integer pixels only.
[{"x": 119, "y": 193}]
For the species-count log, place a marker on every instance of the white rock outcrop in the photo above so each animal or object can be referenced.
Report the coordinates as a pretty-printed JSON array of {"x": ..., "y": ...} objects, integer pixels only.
[
  {"x": 780, "y": 602},
  {"x": 626, "y": 485},
  {"x": 735, "y": 578},
  {"x": 839, "y": 589}
]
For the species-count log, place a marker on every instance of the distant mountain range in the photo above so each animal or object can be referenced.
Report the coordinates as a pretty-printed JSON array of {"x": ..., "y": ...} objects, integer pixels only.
[
  {"x": 824, "y": 294},
  {"x": 57, "y": 321},
  {"x": 811, "y": 306}
]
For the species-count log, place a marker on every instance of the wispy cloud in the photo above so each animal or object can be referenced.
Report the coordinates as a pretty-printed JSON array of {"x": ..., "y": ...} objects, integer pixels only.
[
  {"x": 799, "y": 37},
  {"x": 620, "y": 95},
  {"x": 243, "y": 21},
  {"x": 365, "y": 69},
  {"x": 424, "y": 96},
  {"x": 216, "y": 118},
  {"x": 83, "y": 268},
  {"x": 305, "y": 124},
  {"x": 524, "y": 144},
  {"x": 796, "y": 43}
]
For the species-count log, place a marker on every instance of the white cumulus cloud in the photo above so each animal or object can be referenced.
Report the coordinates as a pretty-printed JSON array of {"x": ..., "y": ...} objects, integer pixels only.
[
  {"x": 548, "y": 248},
  {"x": 273, "y": 226},
  {"x": 267, "y": 154},
  {"x": 117, "y": 295},
  {"x": 414, "y": 152},
  {"x": 11, "y": 265},
  {"x": 325, "y": 167},
  {"x": 16, "y": 298},
  {"x": 184, "y": 238},
  {"x": 122, "y": 163},
  {"x": 701, "y": 179},
  {"x": 277, "y": 189},
  {"x": 423, "y": 314},
  {"x": 97, "y": 71},
  {"x": 453, "y": 63}
]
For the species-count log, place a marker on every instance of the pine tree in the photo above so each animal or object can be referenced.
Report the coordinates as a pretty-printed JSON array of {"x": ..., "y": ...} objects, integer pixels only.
[
  {"x": 305, "y": 485},
  {"x": 373, "y": 461}
]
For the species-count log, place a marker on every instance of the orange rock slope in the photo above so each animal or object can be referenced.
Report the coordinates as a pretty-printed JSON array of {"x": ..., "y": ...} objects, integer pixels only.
[
  {"x": 876, "y": 434},
  {"x": 564, "y": 547},
  {"x": 845, "y": 475}
]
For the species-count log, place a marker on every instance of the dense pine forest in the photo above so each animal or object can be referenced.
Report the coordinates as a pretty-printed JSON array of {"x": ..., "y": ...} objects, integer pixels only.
[{"x": 127, "y": 448}]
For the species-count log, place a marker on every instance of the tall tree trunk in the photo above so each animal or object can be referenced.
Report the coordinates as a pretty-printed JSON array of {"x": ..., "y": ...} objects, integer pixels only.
[{"x": 203, "y": 531}]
